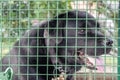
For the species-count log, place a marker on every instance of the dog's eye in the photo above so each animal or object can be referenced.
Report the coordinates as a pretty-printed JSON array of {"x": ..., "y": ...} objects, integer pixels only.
[{"x": 82, "y": 31}]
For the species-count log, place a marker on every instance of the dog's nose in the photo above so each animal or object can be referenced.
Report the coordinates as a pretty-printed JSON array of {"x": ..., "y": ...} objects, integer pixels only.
[{"x": 109, "y": 42}]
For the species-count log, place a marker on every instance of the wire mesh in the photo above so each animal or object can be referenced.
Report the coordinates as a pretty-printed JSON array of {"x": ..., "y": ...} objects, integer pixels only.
[{"x": 59, "y": 39}]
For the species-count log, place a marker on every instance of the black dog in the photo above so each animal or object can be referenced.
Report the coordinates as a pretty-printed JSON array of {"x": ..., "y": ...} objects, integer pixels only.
[{"x": 54, "y": 44}]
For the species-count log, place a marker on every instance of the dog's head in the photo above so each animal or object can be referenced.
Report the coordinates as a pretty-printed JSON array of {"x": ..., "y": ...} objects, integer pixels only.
[
  {"x": 74, "y": 32},
  {"x": 79, "y": 31}
]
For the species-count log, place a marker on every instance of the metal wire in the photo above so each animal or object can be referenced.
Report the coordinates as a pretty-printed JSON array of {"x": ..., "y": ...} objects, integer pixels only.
[{"x": 17, "y": 17}]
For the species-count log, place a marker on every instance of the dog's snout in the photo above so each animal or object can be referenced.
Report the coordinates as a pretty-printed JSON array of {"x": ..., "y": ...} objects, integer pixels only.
[{"x": 109, "y": 42}]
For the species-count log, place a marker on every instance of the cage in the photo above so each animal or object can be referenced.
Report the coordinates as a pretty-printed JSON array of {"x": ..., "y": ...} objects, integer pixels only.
[{"x": 59, "y": 39}]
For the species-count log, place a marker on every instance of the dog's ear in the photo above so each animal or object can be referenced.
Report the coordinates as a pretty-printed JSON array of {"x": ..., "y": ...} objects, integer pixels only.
[{"x": 53, "y": 35}]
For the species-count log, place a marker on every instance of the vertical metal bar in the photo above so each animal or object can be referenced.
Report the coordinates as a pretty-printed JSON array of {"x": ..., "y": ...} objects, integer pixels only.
[
  {"x": 119, "y": 43},
  {"x": 1, "y": 35}
]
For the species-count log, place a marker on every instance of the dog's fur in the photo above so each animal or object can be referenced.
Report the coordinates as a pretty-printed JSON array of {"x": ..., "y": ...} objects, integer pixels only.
[{"x": 55, "y": 43}]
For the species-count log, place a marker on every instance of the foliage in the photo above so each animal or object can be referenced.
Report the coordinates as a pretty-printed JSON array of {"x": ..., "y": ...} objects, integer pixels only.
[{"x": 16, "y": 16}]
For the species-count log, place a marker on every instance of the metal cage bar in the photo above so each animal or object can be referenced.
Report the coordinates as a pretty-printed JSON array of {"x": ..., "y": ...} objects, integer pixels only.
[{"x": 119, "y": 43}]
